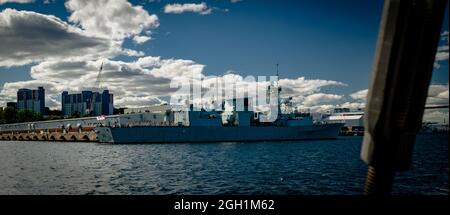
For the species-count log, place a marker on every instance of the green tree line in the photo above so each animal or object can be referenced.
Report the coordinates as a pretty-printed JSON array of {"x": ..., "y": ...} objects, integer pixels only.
[{"x": 12, "y": 115}]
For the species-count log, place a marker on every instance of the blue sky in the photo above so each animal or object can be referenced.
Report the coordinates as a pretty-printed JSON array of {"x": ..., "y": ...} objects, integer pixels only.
[{"x": 316, "y": 39}]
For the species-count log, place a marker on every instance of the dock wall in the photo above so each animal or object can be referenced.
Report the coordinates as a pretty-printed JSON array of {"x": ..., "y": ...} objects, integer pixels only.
[{"x": 50, "y": 135}]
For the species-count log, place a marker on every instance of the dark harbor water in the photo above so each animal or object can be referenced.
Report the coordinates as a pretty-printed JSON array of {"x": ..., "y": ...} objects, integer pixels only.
[{"x": 304, "y": 167}]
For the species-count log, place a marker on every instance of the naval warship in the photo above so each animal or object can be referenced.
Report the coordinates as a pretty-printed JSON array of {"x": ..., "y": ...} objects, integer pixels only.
[
  {"x": 171, "y": 125},
  {"x": 193, "y": 126}
]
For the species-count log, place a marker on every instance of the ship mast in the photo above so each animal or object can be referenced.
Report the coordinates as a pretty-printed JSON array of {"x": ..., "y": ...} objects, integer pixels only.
[
  {"x": 278, "y": 92},
  {"x": 277, "y": 71},
  {"x": 274, "y": 90}
]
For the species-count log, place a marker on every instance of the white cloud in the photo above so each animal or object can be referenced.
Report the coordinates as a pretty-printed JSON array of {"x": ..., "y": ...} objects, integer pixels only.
[
  {"x": 435, "y": 89},
  {"x": 359, "y": 95},
  {"x": 442, "y": 52},
  {"x": 437, "y": 94},
  {"x": 133, "y": 53},
  {"x": 115, "y": 19},
  {"x": 320, "y": 98},
  {"x": 436, "y": 115},
  {"x": 141, "y": 39},
  {"x": 169, "y": 68},
  {"x": 443, "y": 95},
  {"x": 200, "y": 8},
  {"x": 144, "y": 81},
  {"x": 9, "y": 91},
  {"x": 137, "y": 83},
  {"x": 303, "y": 86},
  {"x": 353, "y": 105},
  {"x": 29, "y": 37},
  {"x": 440, "y": 56},
  {"x": 16, "y": 1},
  {"x": 316, "y": 108},
  {"x": 68, "y": 56}
]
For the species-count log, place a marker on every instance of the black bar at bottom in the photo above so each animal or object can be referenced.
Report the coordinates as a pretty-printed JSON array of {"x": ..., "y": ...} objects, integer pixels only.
[{"x": 230, "y": 204}]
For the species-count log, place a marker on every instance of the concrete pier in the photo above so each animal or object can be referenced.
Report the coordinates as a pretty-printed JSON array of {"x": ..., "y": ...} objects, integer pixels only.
[{"x": 51, "y": 135}]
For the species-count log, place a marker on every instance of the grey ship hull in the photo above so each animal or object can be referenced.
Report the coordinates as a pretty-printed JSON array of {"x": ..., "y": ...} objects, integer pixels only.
[{"x": 171, "y": 134}]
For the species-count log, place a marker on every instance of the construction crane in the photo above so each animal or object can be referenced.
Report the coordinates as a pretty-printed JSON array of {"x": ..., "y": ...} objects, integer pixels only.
[
  {"x": 98, "y": 81},
  {"x": 96, "y": 88}
]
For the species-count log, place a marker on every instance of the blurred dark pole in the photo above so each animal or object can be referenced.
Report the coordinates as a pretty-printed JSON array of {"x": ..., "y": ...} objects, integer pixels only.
[{"x": 407, "y": 42}]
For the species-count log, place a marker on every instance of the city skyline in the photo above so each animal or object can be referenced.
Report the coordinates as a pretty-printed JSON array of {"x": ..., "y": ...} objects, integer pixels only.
[{"x": 325, "y": 49}]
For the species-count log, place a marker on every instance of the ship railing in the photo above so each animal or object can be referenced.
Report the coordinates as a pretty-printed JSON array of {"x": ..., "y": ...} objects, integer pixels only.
[{"x": 146, "y": 124}]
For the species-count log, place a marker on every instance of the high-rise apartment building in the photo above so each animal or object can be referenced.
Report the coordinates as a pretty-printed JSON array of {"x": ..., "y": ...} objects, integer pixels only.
[
  {"x": 31, "y": 99},
  {"x": 87, "y": 103}
]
